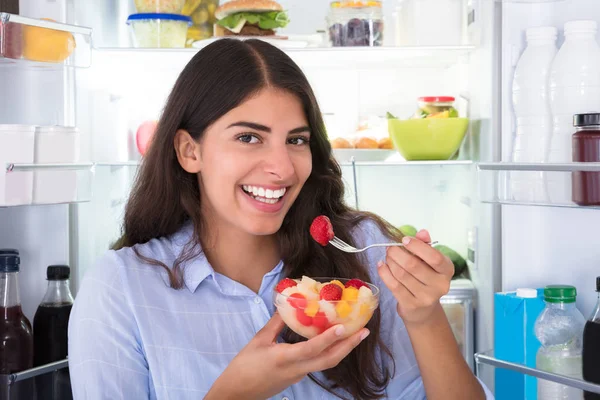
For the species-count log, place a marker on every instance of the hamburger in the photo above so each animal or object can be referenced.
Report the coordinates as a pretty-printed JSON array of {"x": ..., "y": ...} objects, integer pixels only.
[{"x": 249, "y": 18}]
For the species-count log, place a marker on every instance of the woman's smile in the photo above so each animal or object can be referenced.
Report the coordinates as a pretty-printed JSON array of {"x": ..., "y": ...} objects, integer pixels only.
[{"x": 265, "y": 198}]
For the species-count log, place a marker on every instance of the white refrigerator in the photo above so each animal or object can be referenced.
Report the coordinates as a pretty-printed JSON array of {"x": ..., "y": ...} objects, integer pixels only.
[{"x": 107, "y": 89}]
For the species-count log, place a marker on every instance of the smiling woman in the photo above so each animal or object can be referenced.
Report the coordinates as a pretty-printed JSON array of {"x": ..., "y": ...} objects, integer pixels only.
[{"x": 182, "y": 306}]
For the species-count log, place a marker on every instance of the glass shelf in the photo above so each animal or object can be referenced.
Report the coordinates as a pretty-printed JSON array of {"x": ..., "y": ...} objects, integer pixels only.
[
  {"x": 311, "y": 57},
  {"x": 534, "y": 184},
  {"x": 42, "y": 184},
  {"x": 487, "y": 358},
  {"x": 41, "y": 43}
]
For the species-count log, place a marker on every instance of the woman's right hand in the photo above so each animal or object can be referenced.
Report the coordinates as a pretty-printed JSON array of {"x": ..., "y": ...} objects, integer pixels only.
[{"x": 264, "y": 367}]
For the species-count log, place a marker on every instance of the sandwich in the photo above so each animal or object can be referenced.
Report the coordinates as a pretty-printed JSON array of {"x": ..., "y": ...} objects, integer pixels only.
[{"x": 249, "y": 18}]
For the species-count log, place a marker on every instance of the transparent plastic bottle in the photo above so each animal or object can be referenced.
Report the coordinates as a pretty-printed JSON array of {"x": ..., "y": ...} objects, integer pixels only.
[
  {"x": 531, "y": 102},
  {"x": 591, "y": 348},
  {"x": 559, "y": 328}
]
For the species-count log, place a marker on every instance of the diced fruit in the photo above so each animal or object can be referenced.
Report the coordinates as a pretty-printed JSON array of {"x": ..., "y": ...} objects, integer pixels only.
[
  {"x": 303, "y": 318},
  {"x": 364, "y": 293},
  {"x": 320, "y": 321},
  {"x": 308, "y": 287},
  {"x": 340, "y": 284},
  {"x": 343, "y": 309},
  {"x": 331, "y": 292},
  {"x": 350, "y": 294},
  {"x": 284, "y": 284},
  {"x": 328, "y": 308},
  {"x": 356, "y": 283},
  {"x": 312, "y": 308},
  {"x": 297, "y": 300},
  {"x": 321, "y": 230},
  {"x": 289, "y": 291},
  {"x": 364, "y": 309}
]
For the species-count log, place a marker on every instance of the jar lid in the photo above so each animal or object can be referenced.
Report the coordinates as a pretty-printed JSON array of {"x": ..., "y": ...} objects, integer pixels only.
[
  {"x": 586, "y": 119},
  {"x": 58, "y": 272},
  {"x": 560, "y": 294},
  {"x": 436, "y": 99},
  {"x": 169, "y": 17},
  {"x": 9, "y": 260}
]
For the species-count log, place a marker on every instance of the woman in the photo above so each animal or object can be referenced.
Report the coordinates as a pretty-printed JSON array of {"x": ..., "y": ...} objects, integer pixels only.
[{"x": 182, "y": 308}]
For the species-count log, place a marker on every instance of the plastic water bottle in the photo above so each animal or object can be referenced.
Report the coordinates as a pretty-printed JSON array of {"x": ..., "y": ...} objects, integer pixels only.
[
  {"x": 574, "y": 89},
  {"x": 531, "y": 102},
  {"x": 559, "y": 328}
]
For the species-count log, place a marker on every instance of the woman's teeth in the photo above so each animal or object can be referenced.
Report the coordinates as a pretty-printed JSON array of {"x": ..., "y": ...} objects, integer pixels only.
[{"x": 268, "y": 196}]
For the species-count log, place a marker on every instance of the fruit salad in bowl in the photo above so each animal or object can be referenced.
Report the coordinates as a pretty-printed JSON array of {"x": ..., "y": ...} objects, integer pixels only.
[{"x": 309, "y": 306}]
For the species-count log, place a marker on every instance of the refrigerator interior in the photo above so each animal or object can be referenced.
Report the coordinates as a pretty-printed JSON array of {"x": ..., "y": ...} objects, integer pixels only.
[
  {"x": 544, "y": 245},
  {"x": 125, "y": 87}
]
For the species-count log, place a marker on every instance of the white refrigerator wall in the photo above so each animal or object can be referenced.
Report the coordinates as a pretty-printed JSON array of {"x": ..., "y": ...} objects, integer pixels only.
[{"x": 545, "y": 245}]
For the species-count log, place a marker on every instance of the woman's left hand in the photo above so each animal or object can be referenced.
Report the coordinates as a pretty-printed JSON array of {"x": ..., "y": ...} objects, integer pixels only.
[{"x": 418, "y": 276}]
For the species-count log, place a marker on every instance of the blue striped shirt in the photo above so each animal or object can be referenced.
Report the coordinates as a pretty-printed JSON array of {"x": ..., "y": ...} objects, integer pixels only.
[{"x": 133, "y": 337}]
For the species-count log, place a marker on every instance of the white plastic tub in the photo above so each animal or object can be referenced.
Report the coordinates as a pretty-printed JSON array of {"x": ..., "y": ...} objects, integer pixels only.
[
  {"x": 16, "y": 146},
  {"x": 159, "y": 30},
  {"x": 55, "y": 145}
]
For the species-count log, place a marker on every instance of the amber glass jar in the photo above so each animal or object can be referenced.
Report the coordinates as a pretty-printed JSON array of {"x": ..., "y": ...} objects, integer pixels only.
[{"x": 586, "y": 148}]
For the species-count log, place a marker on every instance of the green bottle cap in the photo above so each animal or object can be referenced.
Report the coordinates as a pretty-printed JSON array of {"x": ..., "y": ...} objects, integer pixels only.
[{"x": 560, "y": 294}]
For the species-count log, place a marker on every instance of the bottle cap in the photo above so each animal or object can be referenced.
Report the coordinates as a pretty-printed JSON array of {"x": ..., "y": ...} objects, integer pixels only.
[
  {"x": 9, "y": 260},
  {"x": 592, "y": 119},
  {"x": 527, "y": 293},
  {"x": 58, "y": 272},
  {"x": 560, "y": 294},
  {"x": 598, "y": 284}
]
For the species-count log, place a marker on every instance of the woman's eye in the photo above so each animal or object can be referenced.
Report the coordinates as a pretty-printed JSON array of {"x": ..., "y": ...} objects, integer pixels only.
[
  {"x": 248, "y": 138},
  {"x": 298, "y": 141}
]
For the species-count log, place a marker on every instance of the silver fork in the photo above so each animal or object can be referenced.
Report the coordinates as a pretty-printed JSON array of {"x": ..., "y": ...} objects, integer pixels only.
[{"x": 343, "y": 246}]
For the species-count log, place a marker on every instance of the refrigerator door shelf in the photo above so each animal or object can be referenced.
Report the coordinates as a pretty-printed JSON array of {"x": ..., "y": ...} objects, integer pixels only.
[
  {"x": 47, "y": 183},
  {"x": 43, "y": 43},
  {"x": 538, "y": 184}
]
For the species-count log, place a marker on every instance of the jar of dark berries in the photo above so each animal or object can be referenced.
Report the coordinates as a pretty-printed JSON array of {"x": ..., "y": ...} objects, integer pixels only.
[{"x": 355, "y": 23}]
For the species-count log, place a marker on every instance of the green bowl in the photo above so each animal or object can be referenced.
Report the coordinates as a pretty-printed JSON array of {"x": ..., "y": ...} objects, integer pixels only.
[{"x": 428, "y": 139}]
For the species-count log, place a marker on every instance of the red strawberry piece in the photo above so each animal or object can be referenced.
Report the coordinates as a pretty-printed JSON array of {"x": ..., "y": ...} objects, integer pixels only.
[
  {"x": 297, "y": 300},
  {"x": 331, "y": 292},
  {"x": 303, "y": 318},
  {"x": 321, "y": 322},
  {"x": 284, "y": 284},
  {"x": 356, "y": 283},
  {"x": 321, "y": 230}
]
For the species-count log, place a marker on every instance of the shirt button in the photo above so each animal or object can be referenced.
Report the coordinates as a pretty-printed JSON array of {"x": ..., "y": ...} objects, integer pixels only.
[
  {"x": 285, "y": 398},
  {"x": 257, "y": 300}
]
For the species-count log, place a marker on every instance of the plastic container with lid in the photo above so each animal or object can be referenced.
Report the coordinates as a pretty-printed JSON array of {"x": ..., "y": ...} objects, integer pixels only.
[
  {"x": 355, "y": 23},
  {"x": 159, "y": 30},
  {"x": 436, "y": 107},
  {"x": 159, "y": 6},
  {"x": 203, "y": 19},
  {"x": 586, "y": 148},
  {"x": 559, "y": 328}
]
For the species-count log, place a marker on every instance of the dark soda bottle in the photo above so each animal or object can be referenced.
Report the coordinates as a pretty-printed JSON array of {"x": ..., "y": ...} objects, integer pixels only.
[
  {"x": 16, "y": 339},
  {"x": 50, "y": 326},
  {"x": 591, "y": 348}
]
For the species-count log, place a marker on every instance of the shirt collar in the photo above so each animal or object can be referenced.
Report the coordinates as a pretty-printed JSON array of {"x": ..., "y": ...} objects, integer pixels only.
[{"x": 198, "y": 269}]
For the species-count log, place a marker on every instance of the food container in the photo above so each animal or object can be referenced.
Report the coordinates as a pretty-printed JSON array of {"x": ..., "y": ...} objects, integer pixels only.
[
  {"x": 55, "y": 145},
  {"x": 306, "y": 313},
  {"x": 355, "y": 23},
  {"x": 159, "y": 30},
  {"x": 586, "y": 148},
  {"x": 159, "y": 6},
  {"x": 202, "y": 13},
  {"x": 436, "y": 107},
  {"x": 428, "y": 139},
  {"x": 16, "y": 146}
]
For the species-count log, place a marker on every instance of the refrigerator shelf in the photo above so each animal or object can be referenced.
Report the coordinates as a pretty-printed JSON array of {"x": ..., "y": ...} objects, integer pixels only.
[
  {"x": 537, "y": 184},
  {"x": 9, "y": 379},
  {"x": 487, "y": 358},
  {"x": 135, "y": 59},
  {"x": 38, "y": 43},
  {"x": 43, "y": 184}
]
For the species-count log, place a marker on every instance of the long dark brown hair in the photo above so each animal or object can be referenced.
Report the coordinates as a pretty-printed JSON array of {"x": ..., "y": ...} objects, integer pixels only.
[{"x": 217, "y": 79}]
